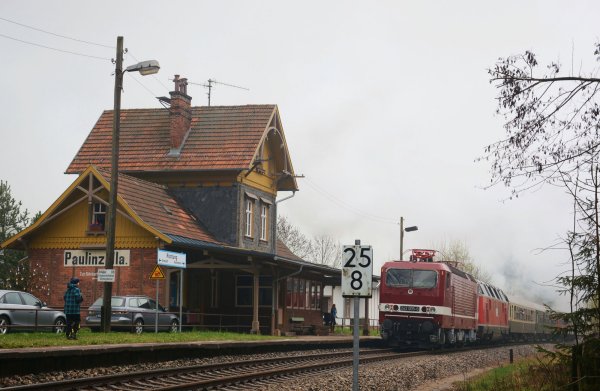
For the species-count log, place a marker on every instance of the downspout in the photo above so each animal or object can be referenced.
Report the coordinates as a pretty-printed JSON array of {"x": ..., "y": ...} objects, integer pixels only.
[{"x": 286, "y": 198}]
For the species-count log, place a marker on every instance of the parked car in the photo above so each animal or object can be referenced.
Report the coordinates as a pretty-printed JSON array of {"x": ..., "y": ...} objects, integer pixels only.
[
  {"x": 23, "y": 311},
  {"x": 135, "y": 313}
]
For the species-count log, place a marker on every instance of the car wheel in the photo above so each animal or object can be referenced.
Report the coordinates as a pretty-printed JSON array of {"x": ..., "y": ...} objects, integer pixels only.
[
  {"x": 4, "y": 324},
  {"x": 174, "y": 327},
  {"x": 59, "y": 325},
  {"x": 138, "y": 326}
]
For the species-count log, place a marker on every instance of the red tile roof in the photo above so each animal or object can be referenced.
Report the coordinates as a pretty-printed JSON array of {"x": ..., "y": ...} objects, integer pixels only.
[
  {"x": 155, "y": 206},
  {"x": 221, "y": 138}
]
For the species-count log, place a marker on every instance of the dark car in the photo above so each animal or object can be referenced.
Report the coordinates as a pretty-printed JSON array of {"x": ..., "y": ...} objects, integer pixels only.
[
  {"x": 135, "y": 313},
  {"x": 23, "y": 311}
]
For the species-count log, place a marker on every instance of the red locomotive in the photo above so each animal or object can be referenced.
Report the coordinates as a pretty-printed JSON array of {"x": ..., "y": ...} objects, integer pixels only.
[
  {"x": 426, "y": 303},
  {"x": 492, "y": 313}
]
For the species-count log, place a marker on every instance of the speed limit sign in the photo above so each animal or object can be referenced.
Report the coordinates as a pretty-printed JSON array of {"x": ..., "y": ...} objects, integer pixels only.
[{"x": 357, "y": 271}]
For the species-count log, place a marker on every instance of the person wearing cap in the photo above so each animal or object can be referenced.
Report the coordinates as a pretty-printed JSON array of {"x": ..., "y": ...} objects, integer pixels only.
[{"x": 73, "y": 299}]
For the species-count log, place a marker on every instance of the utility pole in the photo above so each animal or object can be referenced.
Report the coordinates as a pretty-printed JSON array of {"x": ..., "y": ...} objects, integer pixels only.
[
  {"x": 114, "y": 174},
  {"x": 401, "y": 237}
]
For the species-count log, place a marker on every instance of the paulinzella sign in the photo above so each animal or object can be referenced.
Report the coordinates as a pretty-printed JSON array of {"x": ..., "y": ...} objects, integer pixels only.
[{"x": 94, "y": 258}]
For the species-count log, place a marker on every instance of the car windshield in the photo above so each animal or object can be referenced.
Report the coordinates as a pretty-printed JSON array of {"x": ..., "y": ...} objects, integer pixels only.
[
  {"x": 411, "y": 278},
  {"x": 114, "y": 302}
]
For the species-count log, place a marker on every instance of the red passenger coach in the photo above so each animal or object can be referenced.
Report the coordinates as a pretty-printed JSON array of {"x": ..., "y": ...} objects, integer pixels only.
[{"x": 426, "y": 303}]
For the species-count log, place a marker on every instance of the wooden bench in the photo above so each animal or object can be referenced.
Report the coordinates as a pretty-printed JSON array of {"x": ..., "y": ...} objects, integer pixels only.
[{"x": 298, "y": 326}]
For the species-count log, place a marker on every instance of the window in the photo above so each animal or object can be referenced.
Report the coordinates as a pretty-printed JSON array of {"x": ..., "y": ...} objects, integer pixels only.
[
  {"x": 99, "y": 214},
  {"x": 411, "y": 278},
  {"x": 214, "y": 290},
  {"x": 263, "y": 222},
  {"x": 249, "y": 211},
  {"x": 303, "y": 294},
  {"x": 245, "y": 285}
]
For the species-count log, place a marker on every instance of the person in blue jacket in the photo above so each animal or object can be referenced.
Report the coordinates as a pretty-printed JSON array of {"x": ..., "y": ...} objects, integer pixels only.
[
  {"x": 73, "y": 299},
  {"x": 333, "y": 315}
]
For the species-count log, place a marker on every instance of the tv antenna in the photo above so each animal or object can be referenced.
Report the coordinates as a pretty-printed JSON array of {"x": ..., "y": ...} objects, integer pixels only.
[{"x": 209, "y": 85}]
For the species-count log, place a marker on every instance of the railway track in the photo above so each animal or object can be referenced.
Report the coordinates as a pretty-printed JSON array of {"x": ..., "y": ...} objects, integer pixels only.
[{"x": 219, "y": 376}]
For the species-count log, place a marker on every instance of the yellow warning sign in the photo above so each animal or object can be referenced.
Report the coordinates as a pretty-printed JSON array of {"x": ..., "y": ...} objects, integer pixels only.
[{"x": 157, "y": 274}]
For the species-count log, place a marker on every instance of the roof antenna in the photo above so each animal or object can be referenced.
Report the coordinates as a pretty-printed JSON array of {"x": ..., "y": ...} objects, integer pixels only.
[{"x": 210, "y": 83}]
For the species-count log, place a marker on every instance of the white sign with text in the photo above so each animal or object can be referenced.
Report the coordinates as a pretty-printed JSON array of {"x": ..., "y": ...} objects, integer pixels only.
[
  {"x": 357, "y": 271},
  {"x": 170, "y": 258}
]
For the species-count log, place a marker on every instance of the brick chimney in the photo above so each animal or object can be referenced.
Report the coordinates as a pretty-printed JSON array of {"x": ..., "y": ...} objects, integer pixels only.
[{"x": 180, "y": 114}]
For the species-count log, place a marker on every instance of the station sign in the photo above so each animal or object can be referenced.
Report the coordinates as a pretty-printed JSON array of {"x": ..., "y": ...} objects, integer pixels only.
[
  {"x": 170, "y": 258},
  {"x": 357, "y": 271},
  {"x": 94, "y": 258}
]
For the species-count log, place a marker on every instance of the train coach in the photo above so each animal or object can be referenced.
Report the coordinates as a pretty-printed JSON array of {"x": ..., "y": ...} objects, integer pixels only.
[
  {"x": 425, "y": 303},
  {"x": 529, "y": 321}
]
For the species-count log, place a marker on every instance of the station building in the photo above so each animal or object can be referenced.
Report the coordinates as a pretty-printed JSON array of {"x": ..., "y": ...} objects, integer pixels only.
[{"x": 196, "y": 180}]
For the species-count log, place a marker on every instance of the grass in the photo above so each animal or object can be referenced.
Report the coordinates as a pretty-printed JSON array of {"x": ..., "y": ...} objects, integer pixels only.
[
  {"x": 86, "y": 337},
  {"x": 526, "y": 375}
]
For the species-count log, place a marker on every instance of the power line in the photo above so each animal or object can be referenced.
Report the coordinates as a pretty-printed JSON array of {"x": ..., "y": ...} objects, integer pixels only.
[
  {"x": 56, "y": 35},
  {"x": 146, "y": 88},
  {"x": 154, "y": 76},
  {"x": 55, "y": 49},
  {"x": 349, "y": 207}
]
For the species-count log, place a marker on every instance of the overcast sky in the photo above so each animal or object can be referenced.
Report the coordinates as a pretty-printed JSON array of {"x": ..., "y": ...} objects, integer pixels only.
[{"x": 385, "y": 105}]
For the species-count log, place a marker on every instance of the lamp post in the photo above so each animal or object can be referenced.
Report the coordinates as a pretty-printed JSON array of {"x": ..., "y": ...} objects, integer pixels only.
[
  {"x": 144, "y": 68},
  {"x": 402, "y": 230}
]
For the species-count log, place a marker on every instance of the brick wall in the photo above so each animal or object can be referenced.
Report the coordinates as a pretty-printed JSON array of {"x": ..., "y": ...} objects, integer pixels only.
[{"x": 129, "y": 280}]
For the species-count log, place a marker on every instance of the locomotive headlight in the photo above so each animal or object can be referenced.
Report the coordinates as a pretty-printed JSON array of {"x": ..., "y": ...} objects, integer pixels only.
[
  {"x": 395, "y": 307},
  {"x": 423, "y": 309}
]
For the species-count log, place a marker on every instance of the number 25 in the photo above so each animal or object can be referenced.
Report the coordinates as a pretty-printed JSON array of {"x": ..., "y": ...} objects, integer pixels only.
[{"x": 353, "y": 257}]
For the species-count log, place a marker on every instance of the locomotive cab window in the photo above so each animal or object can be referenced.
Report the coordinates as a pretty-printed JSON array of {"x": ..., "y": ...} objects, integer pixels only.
[{"x": 411, "y": 278}]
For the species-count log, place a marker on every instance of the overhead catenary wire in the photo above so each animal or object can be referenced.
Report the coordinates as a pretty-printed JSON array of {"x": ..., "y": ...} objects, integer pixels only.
[
  {"x": 56, "y": 49},
  {"x": 332, "y": 198},
  {"x": 72, "y": 52},
  {"x": 57, "y": 35}
]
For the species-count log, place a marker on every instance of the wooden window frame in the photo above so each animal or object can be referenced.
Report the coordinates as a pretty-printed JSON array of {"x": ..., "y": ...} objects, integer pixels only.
[
  {"x": 264, "y": 222},
  {"x": 249, "y": 213}
]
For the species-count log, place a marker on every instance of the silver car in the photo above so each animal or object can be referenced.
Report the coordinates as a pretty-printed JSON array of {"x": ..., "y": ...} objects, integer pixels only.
[
  {"x": 23, "y": 311},
  {"x": 135, "y": 313}
]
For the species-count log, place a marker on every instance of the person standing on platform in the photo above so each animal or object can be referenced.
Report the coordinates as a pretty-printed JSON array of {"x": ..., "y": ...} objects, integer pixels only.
[
  {"x": 333, "y": 315},
  {"x": 73, "y": 299}
]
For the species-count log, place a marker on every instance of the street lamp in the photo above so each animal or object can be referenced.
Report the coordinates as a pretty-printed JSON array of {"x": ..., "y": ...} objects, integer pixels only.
[
  {"x": 402, "y": 230},
  {"x": 144, "y": 68}
]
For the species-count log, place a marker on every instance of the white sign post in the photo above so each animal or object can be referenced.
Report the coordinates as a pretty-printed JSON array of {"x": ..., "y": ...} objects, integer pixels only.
[
  {"x": 173, "y": 259},
  {"x": 357, "y": 281}
]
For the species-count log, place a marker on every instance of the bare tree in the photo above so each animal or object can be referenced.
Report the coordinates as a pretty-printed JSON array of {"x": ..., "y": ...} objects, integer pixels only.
[
  {"x": 321, "y": 249},
  {"x": 552, "y": 122},
  {"x": 553, "y": 136},
  {"x": 457, "y": 253},
  {"x": 291, "y": 236},
  {"x": 326, "y": 251}
]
